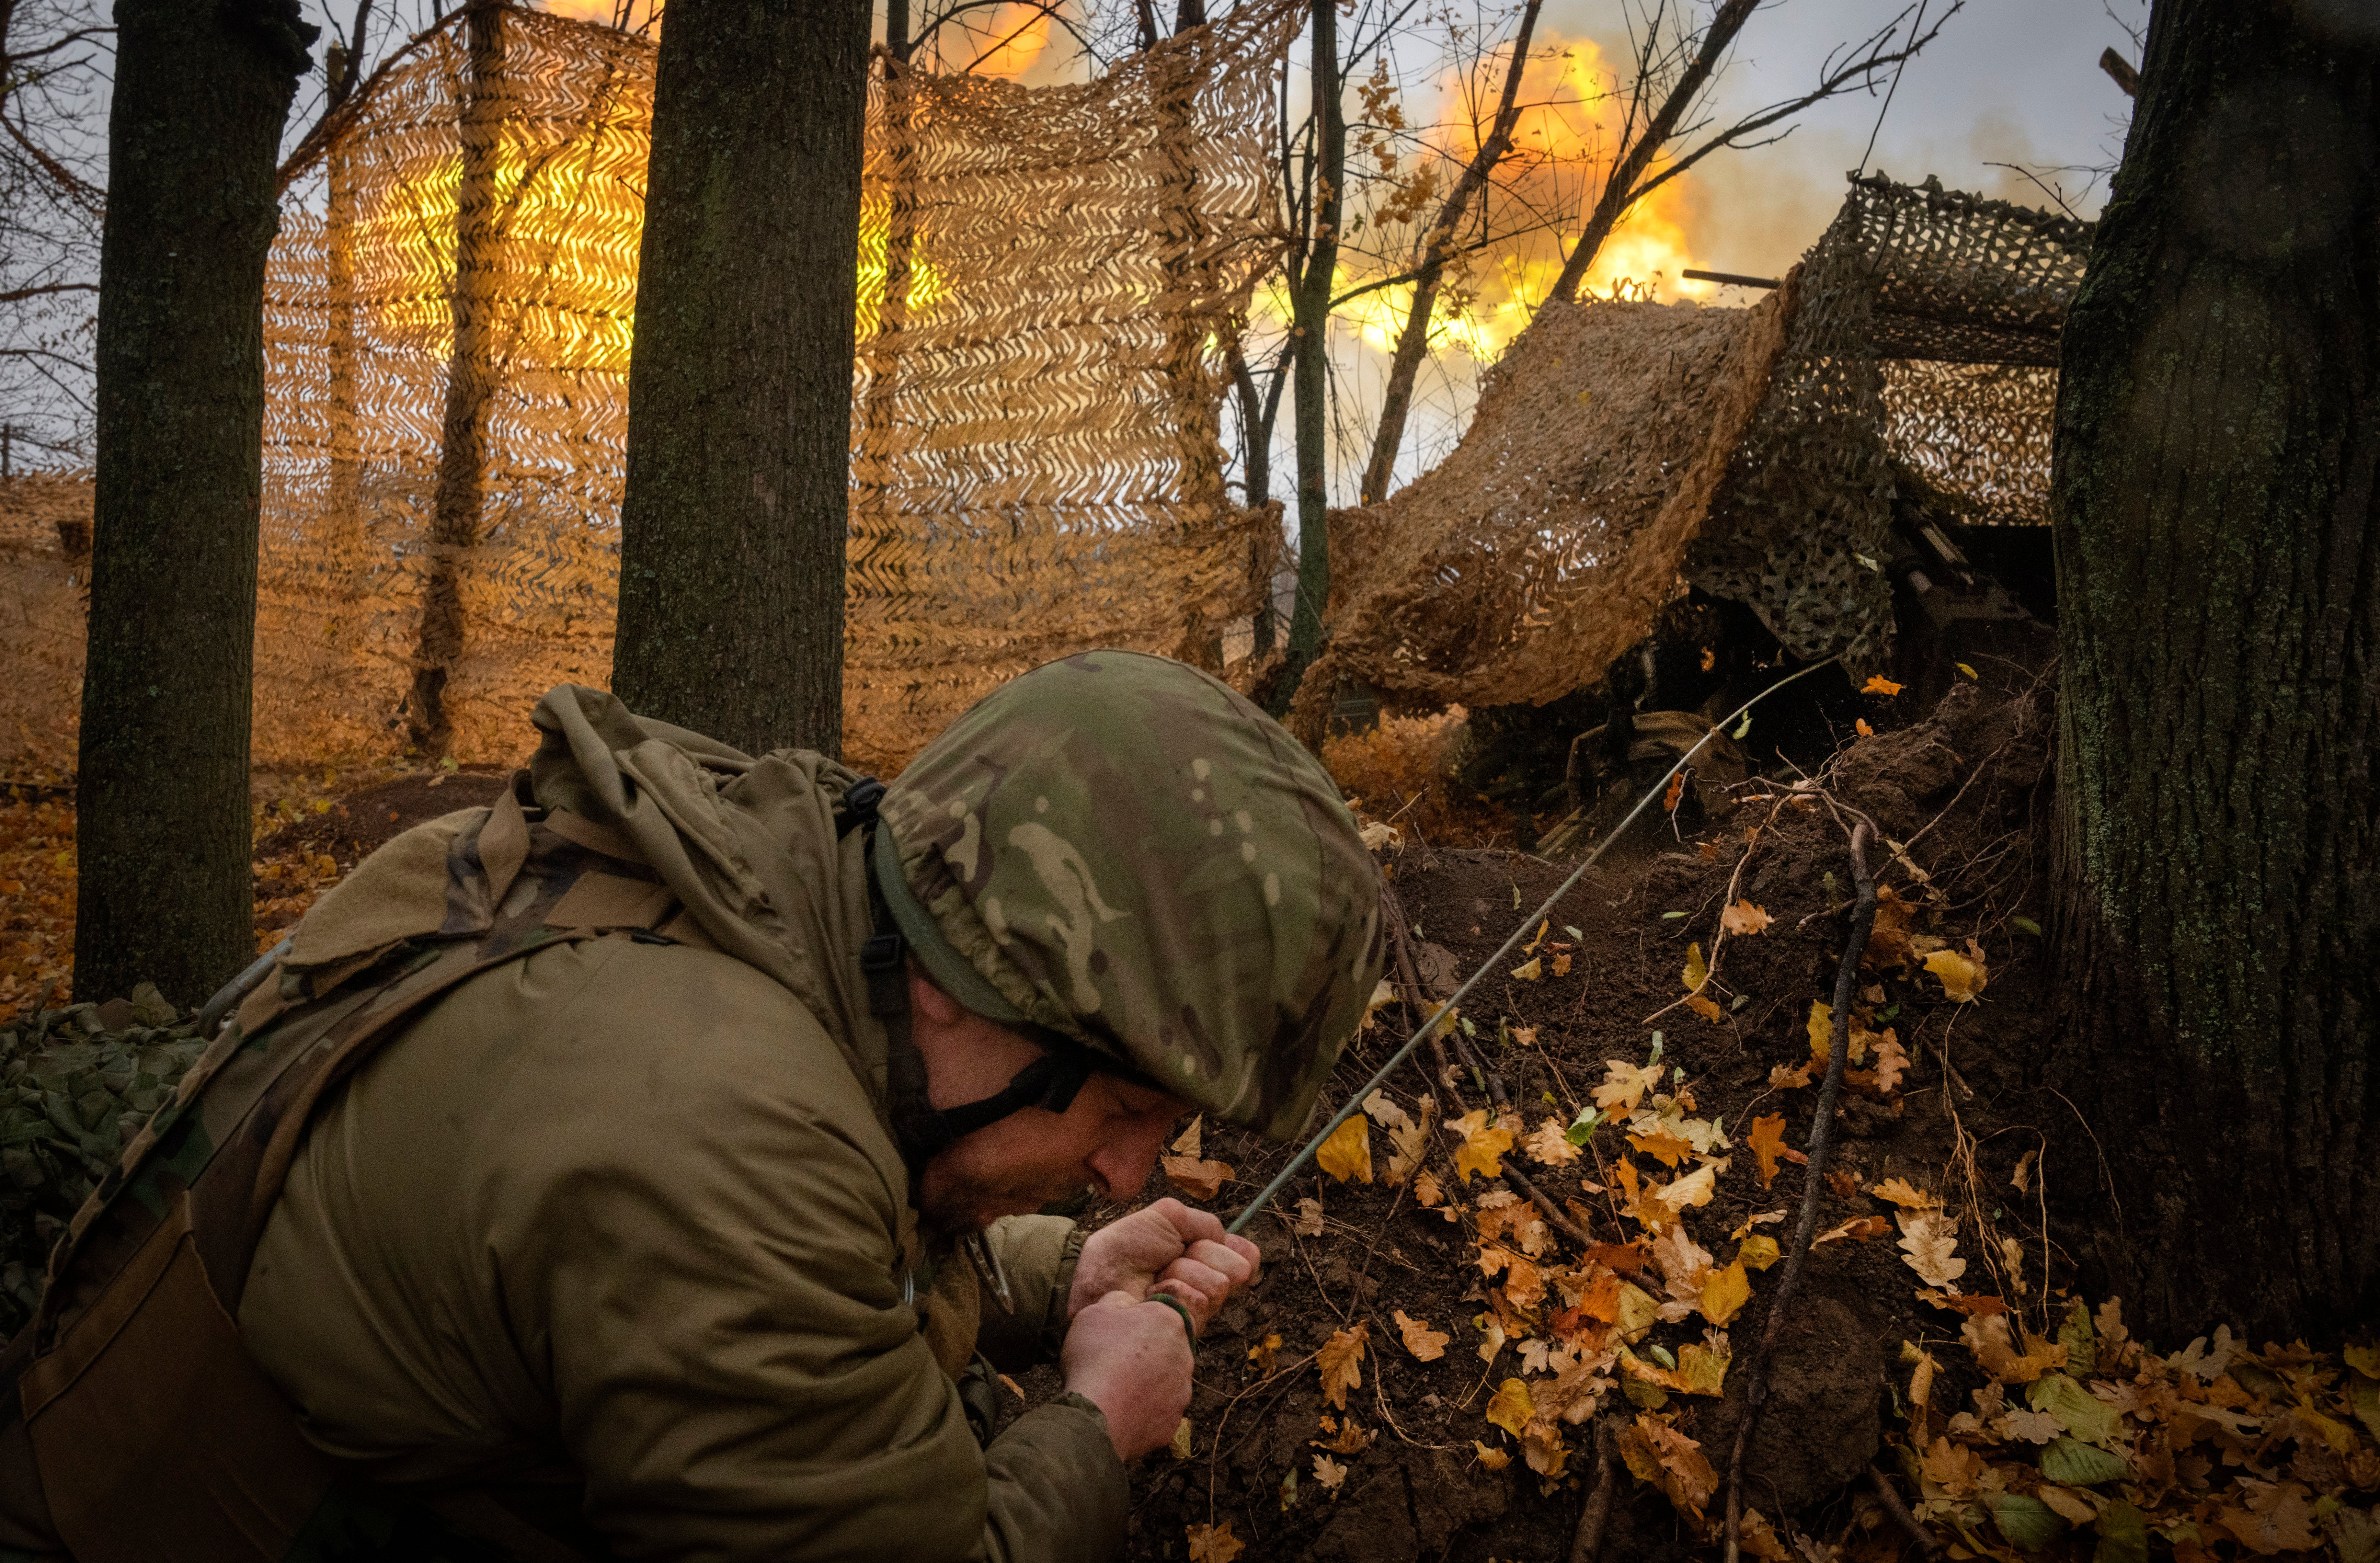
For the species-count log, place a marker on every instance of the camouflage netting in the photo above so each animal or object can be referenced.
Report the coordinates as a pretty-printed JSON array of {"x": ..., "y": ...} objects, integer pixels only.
[
  {"x": 1543, "y": 546},
  {"x": 1621, "y": 451},
  {"x": 76, "y": 1084},
  {"x": 1037, "y": 466},
  {"x": 1923, "y": 356}
]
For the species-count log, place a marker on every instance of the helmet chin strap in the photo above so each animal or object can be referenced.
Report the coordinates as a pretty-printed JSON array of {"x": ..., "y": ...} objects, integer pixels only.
[{"x": 925, "y": 1131}]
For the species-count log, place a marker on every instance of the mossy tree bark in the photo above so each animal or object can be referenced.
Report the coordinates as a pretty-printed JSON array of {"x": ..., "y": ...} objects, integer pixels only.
[
  {"x": 2218, "y": 451},
  {"x": 161, "y": 789},
  {"x": 733, "y": 530}
]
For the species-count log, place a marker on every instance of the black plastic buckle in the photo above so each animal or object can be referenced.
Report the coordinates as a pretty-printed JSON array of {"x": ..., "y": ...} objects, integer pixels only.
[
  {"x": 880, "y": 953},
  {"x": 859, "y": 804}
]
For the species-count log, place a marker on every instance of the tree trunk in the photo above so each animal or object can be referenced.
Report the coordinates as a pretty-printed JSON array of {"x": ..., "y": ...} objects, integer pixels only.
[
  {"x": 2218, "y": 451},
  {"x": 1309, "y": 387},
  {"x": 160, "y": 791},
  {"x": 739, "y": 394},
  {"x": 470, "y": 383}
]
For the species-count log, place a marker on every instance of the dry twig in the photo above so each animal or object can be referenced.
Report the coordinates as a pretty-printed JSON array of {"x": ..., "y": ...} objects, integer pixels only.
[{"x": 1822, "y": 1138}]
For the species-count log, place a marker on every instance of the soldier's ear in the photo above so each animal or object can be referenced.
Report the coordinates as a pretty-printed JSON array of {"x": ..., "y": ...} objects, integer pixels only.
[{"x": 930, "y": 1004}]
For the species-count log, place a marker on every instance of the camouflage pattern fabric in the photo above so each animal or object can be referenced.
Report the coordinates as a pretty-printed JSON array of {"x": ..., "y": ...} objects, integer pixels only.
[{"x": 1121, "y": 849}]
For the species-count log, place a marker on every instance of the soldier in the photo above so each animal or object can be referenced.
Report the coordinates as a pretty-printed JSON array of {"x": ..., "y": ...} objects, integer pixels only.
[{"x": 645, "y": 1167}]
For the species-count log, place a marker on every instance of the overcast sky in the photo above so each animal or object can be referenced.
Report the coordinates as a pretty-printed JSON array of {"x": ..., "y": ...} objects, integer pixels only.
[{"x": 2007, "y": 81}]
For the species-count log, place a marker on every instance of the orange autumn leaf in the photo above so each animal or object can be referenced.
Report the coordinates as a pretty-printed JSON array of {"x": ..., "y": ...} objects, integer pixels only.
[
  {"x": 1864, "y": 729},
  {"x": 1859, "y": 1229},
  {"x": 1214, "y": 1544},
  {"x": 1426, "y": 1344},
  {"x": 1676, "y": 790},
  {"x": 1707, "y": 1008},
  {"x": 1879, "y": 684},
  {"x": 1662, "y": 1145},
  {"x": 1341, "y": 1363},
  {"x": 1199, "y": 1180},
  {"x": 1494, "y": 1460},
  {"x": 1483, "y": 1144},
  {"x": 1742, "y": 918},
  {"x": 1767, "y": 1138}
]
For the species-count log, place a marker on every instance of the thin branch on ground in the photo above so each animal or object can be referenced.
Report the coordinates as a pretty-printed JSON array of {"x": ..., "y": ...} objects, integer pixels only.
[{"x": 1822, "y": 1140}]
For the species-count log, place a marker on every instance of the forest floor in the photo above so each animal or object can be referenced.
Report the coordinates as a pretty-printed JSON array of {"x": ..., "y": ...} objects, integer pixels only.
[{"x": 1438, "y": 1366}]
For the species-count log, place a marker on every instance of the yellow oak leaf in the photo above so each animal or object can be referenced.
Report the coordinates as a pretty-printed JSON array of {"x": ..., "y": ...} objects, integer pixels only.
[
  {"x": 1550, "y": 1146},
  {"x": 1783, "y": 1079},
  {"x": 1341, "y": 1363},
  {"x": 1426, "y": 1344},
  {"x": 1348, "y": 1152},
  {"x": 1928, "y": 1244},
  {"x": 1726, "y": 1292},
  {"x": 1742, "y": 918},
  {"x": 1891, "y": 1062},
  {"x": 1483, "y": 1144},
  {"x": 1426, "y": 1193},
  {"x": 1962, "y": 976},
  {"x": 1904, "y": 1193},
  {"x": 1494, "y": 1460},
  {"x": 1662, "y": 1145},
  {"x": 1625, "y": 1086},
  {"x": 1821, "y": 1029},
  {"x": 1214, "y": 1544},
  {"x": 1510, "y": 1408}
]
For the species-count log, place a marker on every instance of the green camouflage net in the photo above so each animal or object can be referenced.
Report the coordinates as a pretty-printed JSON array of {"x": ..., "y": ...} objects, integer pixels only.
[
  {"x": 74, "y": 1089},
  {"x": 1924, "y": 354}
]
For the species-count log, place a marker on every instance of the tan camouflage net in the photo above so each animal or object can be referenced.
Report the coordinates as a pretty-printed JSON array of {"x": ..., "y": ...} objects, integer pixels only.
[
  {"x": 1037, "y": 467},
  {"x": 1922, "y": 364},
  {"x": 1542, "y": 547},
  {"x": 1621, "y": 451}
]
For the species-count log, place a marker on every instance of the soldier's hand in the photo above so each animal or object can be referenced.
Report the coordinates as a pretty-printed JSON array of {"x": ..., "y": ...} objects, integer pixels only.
[
  {"x": 1129, "y": 1358},
  {"x": 1167, "y": 1247}
]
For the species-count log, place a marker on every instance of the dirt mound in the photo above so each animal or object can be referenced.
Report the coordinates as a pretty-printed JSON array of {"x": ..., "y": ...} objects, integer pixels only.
[{"x": 356, "y": 824}]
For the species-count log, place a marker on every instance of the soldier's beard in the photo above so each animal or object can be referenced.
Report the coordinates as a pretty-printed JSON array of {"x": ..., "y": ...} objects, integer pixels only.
[{"x": 958, "y": 1196}]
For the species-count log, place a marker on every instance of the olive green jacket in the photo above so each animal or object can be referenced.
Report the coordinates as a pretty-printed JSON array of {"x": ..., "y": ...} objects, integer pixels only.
[{"x": 633, "y": 1210}]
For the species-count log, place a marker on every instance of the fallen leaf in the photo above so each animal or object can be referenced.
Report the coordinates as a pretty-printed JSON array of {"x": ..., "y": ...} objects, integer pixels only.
[
  {"x": 1018, "y": 1389},
  {"x": 1350, "y": 1439},
  {"x": 2022, "y": 1179},
  {"x": 1879, "y": 684},
  {"x": 1189, "y": 1144},
  {"x": 1638, "y": 1312},
  {"x": 1510, "y": 1408},
  {"x": 1697, "y": 970},
  {"x": 1483, "y": 1144},
  {"x": 1426, "y": 1193},
  {"x": 1524, "y": 1036},
  {"x": 1542, "y": 1447},
  {"x": 1491, "y": 1330},
  {"x": 1986, "y": 1335},
  {"x": 1707, "y": 1008},
  {"x": 1962, "y": 976},
  {"x": 1426, "y": 1344},
  {"x": 1726, "y": 1292},
  {"x": 1348, "y": 1152},
  {"x": 1859, "y": 1229},
  {"x": 1529, "y": 970},
  {"x": 1676, "y": 790},
  {"x": 1783, "y": 1079},
  {"x": 1662, "y": 1145},
  {"x": 1928, "y": 1244},
  {"x": 1693, "y": 1189},
  {"x": 1821, "y": 1029},
  {"x": 1659, "y": 1454},
  {"x": 1384, "y": 1112},
  {"x": 1328, "y": 1474},
  {"x": 1864, "y": 729},
  {"x": 1757, "y": 1253},
  {"x": 1891, "y": 1062},
  {"x": 1179, "y": 1446},
  {"x": 1561, "y": 965},
  {"x": 1844, "y": 1182},
  {"x": 2029, "y": 1426},
  {"x": 1214, "y": 1544},
  {"x": 1494, "y": 1460},
  {"x": 1625, "y": 1086},
  {"x": 1742, "y": 919},
  {"x": 1341, "y": 1361},
  {"x": 1767, "y": 1138},
  {"x": 1199, "y": 1180},
  {"x": 1551, "y": 1145},
  {"x": 1309, "y": 1218},
  {"x": 1902, "y": 1193},
  {"x": 1261, "y": 1354}
]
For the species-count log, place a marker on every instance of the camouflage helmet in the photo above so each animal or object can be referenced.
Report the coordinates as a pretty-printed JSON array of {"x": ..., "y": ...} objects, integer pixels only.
[{"x": 1121, "y": 849}]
